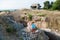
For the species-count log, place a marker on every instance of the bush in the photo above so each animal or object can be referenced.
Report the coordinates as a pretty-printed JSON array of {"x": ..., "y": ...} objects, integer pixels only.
[
  {"x": 10, "y": 30},
  {"x": 30, "y": 16}
]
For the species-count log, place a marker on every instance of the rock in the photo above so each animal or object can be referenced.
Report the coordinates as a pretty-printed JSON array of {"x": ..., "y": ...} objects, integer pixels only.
[
  {"x": 1, "y": 27},
  {"x": 38, "y": 35},
  {"x": 2, "y": 37},
  {"x": 11, "y": 23},
  {"x": 53, "y": 35}
]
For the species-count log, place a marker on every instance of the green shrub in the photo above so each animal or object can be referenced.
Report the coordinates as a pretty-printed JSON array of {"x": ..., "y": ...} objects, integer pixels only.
[
  {"x": 10, "y": 29},
  {"x": 30, "y": 16}
]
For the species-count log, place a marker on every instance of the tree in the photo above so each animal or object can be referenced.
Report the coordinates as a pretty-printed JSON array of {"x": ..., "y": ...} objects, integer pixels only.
[
  {"x": 46, "y": 5},
  {"x": 35, "y": 6},
  {"x": 51, "y": 4},
  {"x": 39, "y": 6},
  {"x": 56, "y": 5}
]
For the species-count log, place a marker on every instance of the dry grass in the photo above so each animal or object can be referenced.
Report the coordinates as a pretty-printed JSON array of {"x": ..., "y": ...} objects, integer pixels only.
[{"x": 54, "y": 16}]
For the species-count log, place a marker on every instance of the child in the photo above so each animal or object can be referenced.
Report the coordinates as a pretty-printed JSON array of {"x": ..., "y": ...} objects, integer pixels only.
[
  {"x": 34, "y": 28},
  {"x": 29, "y": 26}
]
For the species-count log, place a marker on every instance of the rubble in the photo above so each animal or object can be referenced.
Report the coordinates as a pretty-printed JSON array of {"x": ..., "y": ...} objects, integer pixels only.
[{"x": 38, "y": 35}]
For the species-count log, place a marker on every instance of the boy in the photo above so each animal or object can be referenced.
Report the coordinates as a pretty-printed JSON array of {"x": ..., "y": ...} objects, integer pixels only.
[{"x": 34, "y": 28}]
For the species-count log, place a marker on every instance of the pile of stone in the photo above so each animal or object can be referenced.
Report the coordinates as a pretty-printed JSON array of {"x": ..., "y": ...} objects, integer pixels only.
[{"x": 38, "y": 35}]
